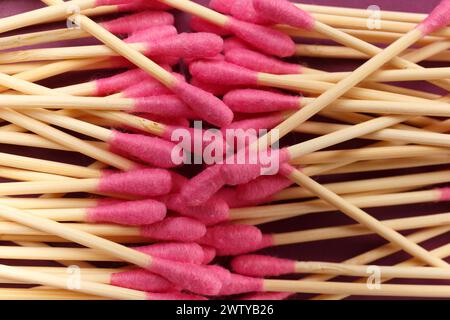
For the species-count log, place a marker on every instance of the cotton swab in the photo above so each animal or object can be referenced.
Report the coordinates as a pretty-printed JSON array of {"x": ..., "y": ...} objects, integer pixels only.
[
  {"x": 266, "y": 266},
  {"x": 143, "y": 182},
  {"x": 174, "y": 251},
  {"x": 124, "y": 25},
  {"x": 294, "y": 209},
  {"x": 88, "y": 287},
  {"x": 133, "y": 279},
  {"x": 199, "y": 279},
  {"x": 184, "y": 45}
]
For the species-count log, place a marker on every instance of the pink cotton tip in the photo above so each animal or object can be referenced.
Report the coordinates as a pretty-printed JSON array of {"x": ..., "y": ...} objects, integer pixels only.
[
  {"x": 174, "y": 296},
  {"x": 259, "y": 62},
  {"x": 223, "y": 6},
  {"x": 138, "y": 21},
  {"x": 215, "y": 89},
  {"x": 445, "y": 194},
  {"x": 262, "y": 266},
  {"x": 203, "y": 186},
  {"x": 285, "y": 12},
  {"x": 133, "y": 213},
  {"x": 175, "y": 251},
  {"x": 230, "y": 238},
  {"x": 163, "y": 105},
  {"x": 151, "y": 150},
  {"x": 274, "y": 296},
  {"x": 187, "y": 45},
  {"x": 142, "y": 280},
  {"x": 230, "y": 196},
  {"x": 175, "y": 229},
  {"x": 263, "y": 187},
  {"x": 223, "y": 73},
  {"x": 232, "y": 43},
  {"x": 437, "y": 19},
  {"x": 192, "y": 277},
  {"x": 211, "y": 212},
  {"x": 209, "y": 254},
  {"x": 206, "y": 105},
  {"x": 221, "y": 273},
  {"x": 267, "y": 40},
  {"x": 244, "y": 10},
  {"x": 152, "y": 34},
  {"x": 200, "y": 25},
  {"x": 238, "y": 284},
  {"x": 256, "y": 124},
  {"x": 140, "y": 182},
  {"x": 244, "y": 167},
  {"x": 119, "y": 82},
  {"x": 260, "y": 101},
  {"x": 146, "y": 89}
]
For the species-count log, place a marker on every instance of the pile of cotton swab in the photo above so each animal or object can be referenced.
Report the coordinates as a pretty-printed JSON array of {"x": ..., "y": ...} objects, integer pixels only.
[{"x": 171, "y": 159}]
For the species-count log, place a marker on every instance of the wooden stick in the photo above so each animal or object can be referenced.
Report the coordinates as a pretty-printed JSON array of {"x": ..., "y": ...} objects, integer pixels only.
[
  {"x": 369, "y": 154},
  {"x": 93, "y": 288},
  {"x": 307, "y": 207},
  {"x": 52, "y": 294},
  {"x": 328, "y": 233},
  {"x": 364, "y": 13},
  {"x": 385, "y": 76},
  {"x": 338, "y": 52},
  {"x": 375, "y": 184}
]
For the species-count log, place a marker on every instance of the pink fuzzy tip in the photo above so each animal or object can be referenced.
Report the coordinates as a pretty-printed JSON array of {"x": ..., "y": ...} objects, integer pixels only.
[
  {"x": 133, "y": 213},
  {"x": 142, "y": 280},
  {"x": 223, "y": 6},
  {"x": 187, "y": 45},
  {"x": 238, "y": 284},
  {"x": 231, "y": 238},
  {"x": 209, "y": 107},
  {"x": 267, "y": 40},
  {"x": 203, "y": 186},
  {"x": 215, "y": 89},
  {"x": 152, "y": 34},
  {"x": 146, "y": 89},
  {"x": 235, "y": 43},
  {"x": 195, "y": 278},
  {"x": 163, "y": 105},
  {"x": 175, "y": 229},
  {"x": 285, "y": 12},
  {"x": 200, "y": 25},
  {"x": 211, "y": 212},
  {"x": 209, "y": 254},
  {"x": 263, "y": 187},
  {"x": 262, "y": 266},
  {"x": 138, "y": 21},
  {"x": 231, "y": 197},
  {"x": 223, "y": 274},
  {"x": 178, "y": 182},
  {"x": 245, "y": 167},
  {"x": 151, "y": 150},
  {"x": 259, "y": 62},
  {"x": 437, "y": 19},
  {"x": 260, "y": 101},
  {"x": 175, "y": 296},
  {"x": 244, "y": 10},
  {"x": 267, "y": 296},
  {"x": 140, "y": 182},
  {"x": 119, "y": 82},
  {"x": 175, "y": 251},
  {"x": 445, "y": 194},
  {"x": 223, "y": 73},
  {"x": 256, "y": 124}
]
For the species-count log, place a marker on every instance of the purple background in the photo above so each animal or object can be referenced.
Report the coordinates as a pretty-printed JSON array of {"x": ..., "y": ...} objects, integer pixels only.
[{"x": 335, "y": 250}]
